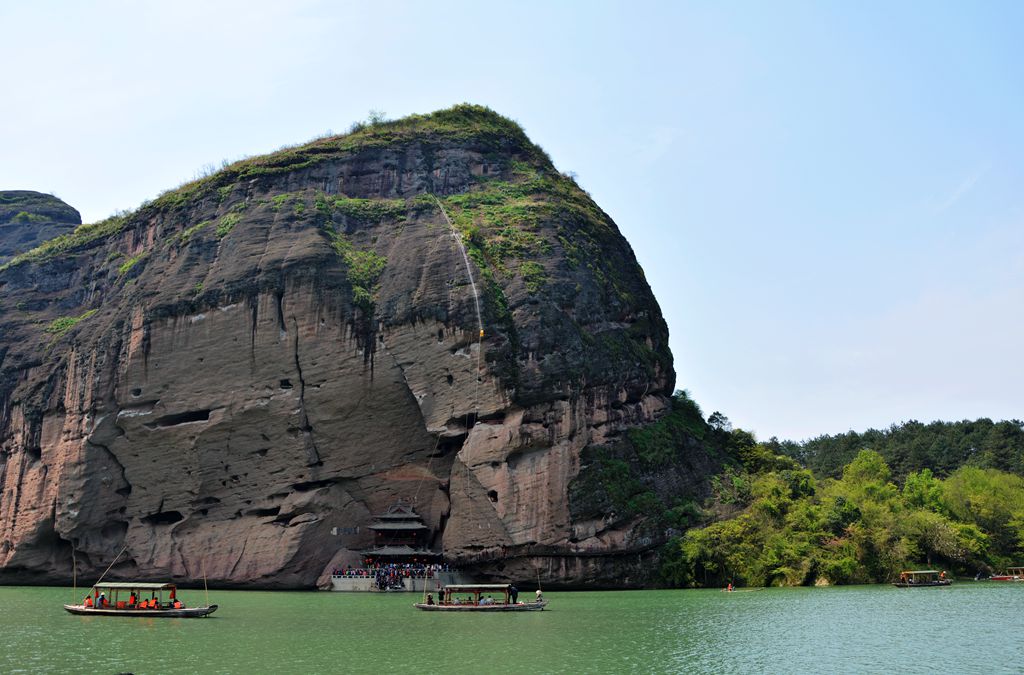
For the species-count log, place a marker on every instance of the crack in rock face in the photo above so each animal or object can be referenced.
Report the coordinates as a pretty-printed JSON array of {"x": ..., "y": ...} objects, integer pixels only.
[{"x": 234, "y": 379}]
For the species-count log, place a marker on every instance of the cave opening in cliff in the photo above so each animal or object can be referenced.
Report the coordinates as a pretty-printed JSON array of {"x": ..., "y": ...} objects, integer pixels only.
[
  {"x": 163, "y": 518},
  {"x": 180, "y": 418},
  {"x": 263, "y": 513},
  {"x": 309, "y": 486},
  {"x": 448, "y": 445}
]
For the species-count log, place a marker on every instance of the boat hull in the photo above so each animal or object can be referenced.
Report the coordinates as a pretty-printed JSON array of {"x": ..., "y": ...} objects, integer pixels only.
[
  {"x": 924, "y": 584},
  {"x": 1005, "y": 577},
  {"x": 183, "y": 613},
  {"x": 518, "y": 607}
]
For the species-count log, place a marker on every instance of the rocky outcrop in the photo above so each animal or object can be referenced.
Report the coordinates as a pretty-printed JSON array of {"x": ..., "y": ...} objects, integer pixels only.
[
  {"x": 29, "y": 218},
  {"x": 231, "y": 380}
]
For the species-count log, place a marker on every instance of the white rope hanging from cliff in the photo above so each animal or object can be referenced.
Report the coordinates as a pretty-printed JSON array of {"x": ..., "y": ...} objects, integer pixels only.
[
  {"x": 469, "y": 270},
  {"x": 479, "y": 345}
]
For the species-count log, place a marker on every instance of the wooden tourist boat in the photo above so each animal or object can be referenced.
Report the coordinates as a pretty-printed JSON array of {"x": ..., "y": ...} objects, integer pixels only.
[
  {"x": 922, "y": 579},
  {"x": 477, "y": 601},
  {"x": 114, "y": 599},
  {"x": 1012, "y": 574}
]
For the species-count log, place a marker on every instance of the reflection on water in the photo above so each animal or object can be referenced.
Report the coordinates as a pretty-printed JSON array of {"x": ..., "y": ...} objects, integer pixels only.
[{"x": 968, "y": 628}]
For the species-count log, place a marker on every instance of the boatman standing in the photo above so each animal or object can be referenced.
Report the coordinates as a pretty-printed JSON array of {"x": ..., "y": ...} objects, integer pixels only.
[
  {"x": 513, "y": 593},
  {"x": 540, "y": 596}
]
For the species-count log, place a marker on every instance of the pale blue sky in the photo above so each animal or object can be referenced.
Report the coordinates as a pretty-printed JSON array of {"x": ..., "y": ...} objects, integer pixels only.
[{"x": 826, "y": 197}]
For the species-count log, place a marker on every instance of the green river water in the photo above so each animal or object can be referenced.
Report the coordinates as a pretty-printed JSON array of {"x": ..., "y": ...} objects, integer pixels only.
[{"x": 967, "y": 628}]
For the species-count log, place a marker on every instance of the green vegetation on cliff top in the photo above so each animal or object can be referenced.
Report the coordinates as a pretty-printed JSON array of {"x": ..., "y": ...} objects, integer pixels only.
[
  {"x": 29, "y": 206},
  {"x": 465, "y": 123},
  {"x": 82, "y": 237},
  {"x": 477, "y": 126}
]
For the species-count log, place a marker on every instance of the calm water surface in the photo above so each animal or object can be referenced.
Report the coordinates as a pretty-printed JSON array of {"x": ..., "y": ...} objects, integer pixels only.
[{"x": 968, "y": 628}]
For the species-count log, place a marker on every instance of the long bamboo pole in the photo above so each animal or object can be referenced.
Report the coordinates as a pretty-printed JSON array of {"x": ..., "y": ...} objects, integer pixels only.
[
  {"x": 74, "y": 576},
  {"x": 205, "y": 588},
  {"x": 111, "y": 564}
]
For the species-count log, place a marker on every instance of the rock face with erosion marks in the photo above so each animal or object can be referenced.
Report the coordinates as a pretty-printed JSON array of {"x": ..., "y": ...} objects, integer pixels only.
[
  {"x": 28, "y": 218},
  {"x": 235, "y": 378}
]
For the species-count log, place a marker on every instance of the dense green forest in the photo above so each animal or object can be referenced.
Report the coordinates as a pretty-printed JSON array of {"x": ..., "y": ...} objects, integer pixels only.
[
  {"x": 942, "y": 447},
  {"x": 852, "y": 508}
]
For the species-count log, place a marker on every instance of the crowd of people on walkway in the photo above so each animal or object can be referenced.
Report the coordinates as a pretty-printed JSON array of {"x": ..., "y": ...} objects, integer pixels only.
[{"x": 392, "y": 575}]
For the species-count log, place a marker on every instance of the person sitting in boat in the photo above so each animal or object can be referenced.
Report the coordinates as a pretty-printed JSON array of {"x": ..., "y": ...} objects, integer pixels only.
[
  {"x": 132, "y": 600},
  {"x": 540, "y": 595},
  {"x": 102, "y": 600},
  {"x": 88, "y": 602},
  {"x": 178, "y": 604},
  {"x": 430, "y": 599}
]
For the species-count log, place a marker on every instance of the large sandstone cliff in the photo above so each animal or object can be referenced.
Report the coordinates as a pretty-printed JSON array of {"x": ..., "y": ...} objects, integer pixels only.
[{"x": 234, "y": 378}]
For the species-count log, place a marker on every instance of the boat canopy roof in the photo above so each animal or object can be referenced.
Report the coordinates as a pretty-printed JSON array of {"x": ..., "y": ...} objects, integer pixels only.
[
  {"x": 470, "y": 588},
  {"x": 135, "y": 586}
]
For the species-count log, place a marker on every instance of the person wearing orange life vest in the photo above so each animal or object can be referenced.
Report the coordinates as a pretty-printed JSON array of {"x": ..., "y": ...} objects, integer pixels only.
[{"x": 88, "y": 602}]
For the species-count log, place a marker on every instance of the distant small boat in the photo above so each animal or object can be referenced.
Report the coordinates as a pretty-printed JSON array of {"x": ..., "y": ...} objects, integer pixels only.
[
  {"x": 476, "y": 601},
  {"x": 1012, "y": 574},
  {"x": 922, "y": 579},
  {"x": 115, "y": 599}
]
